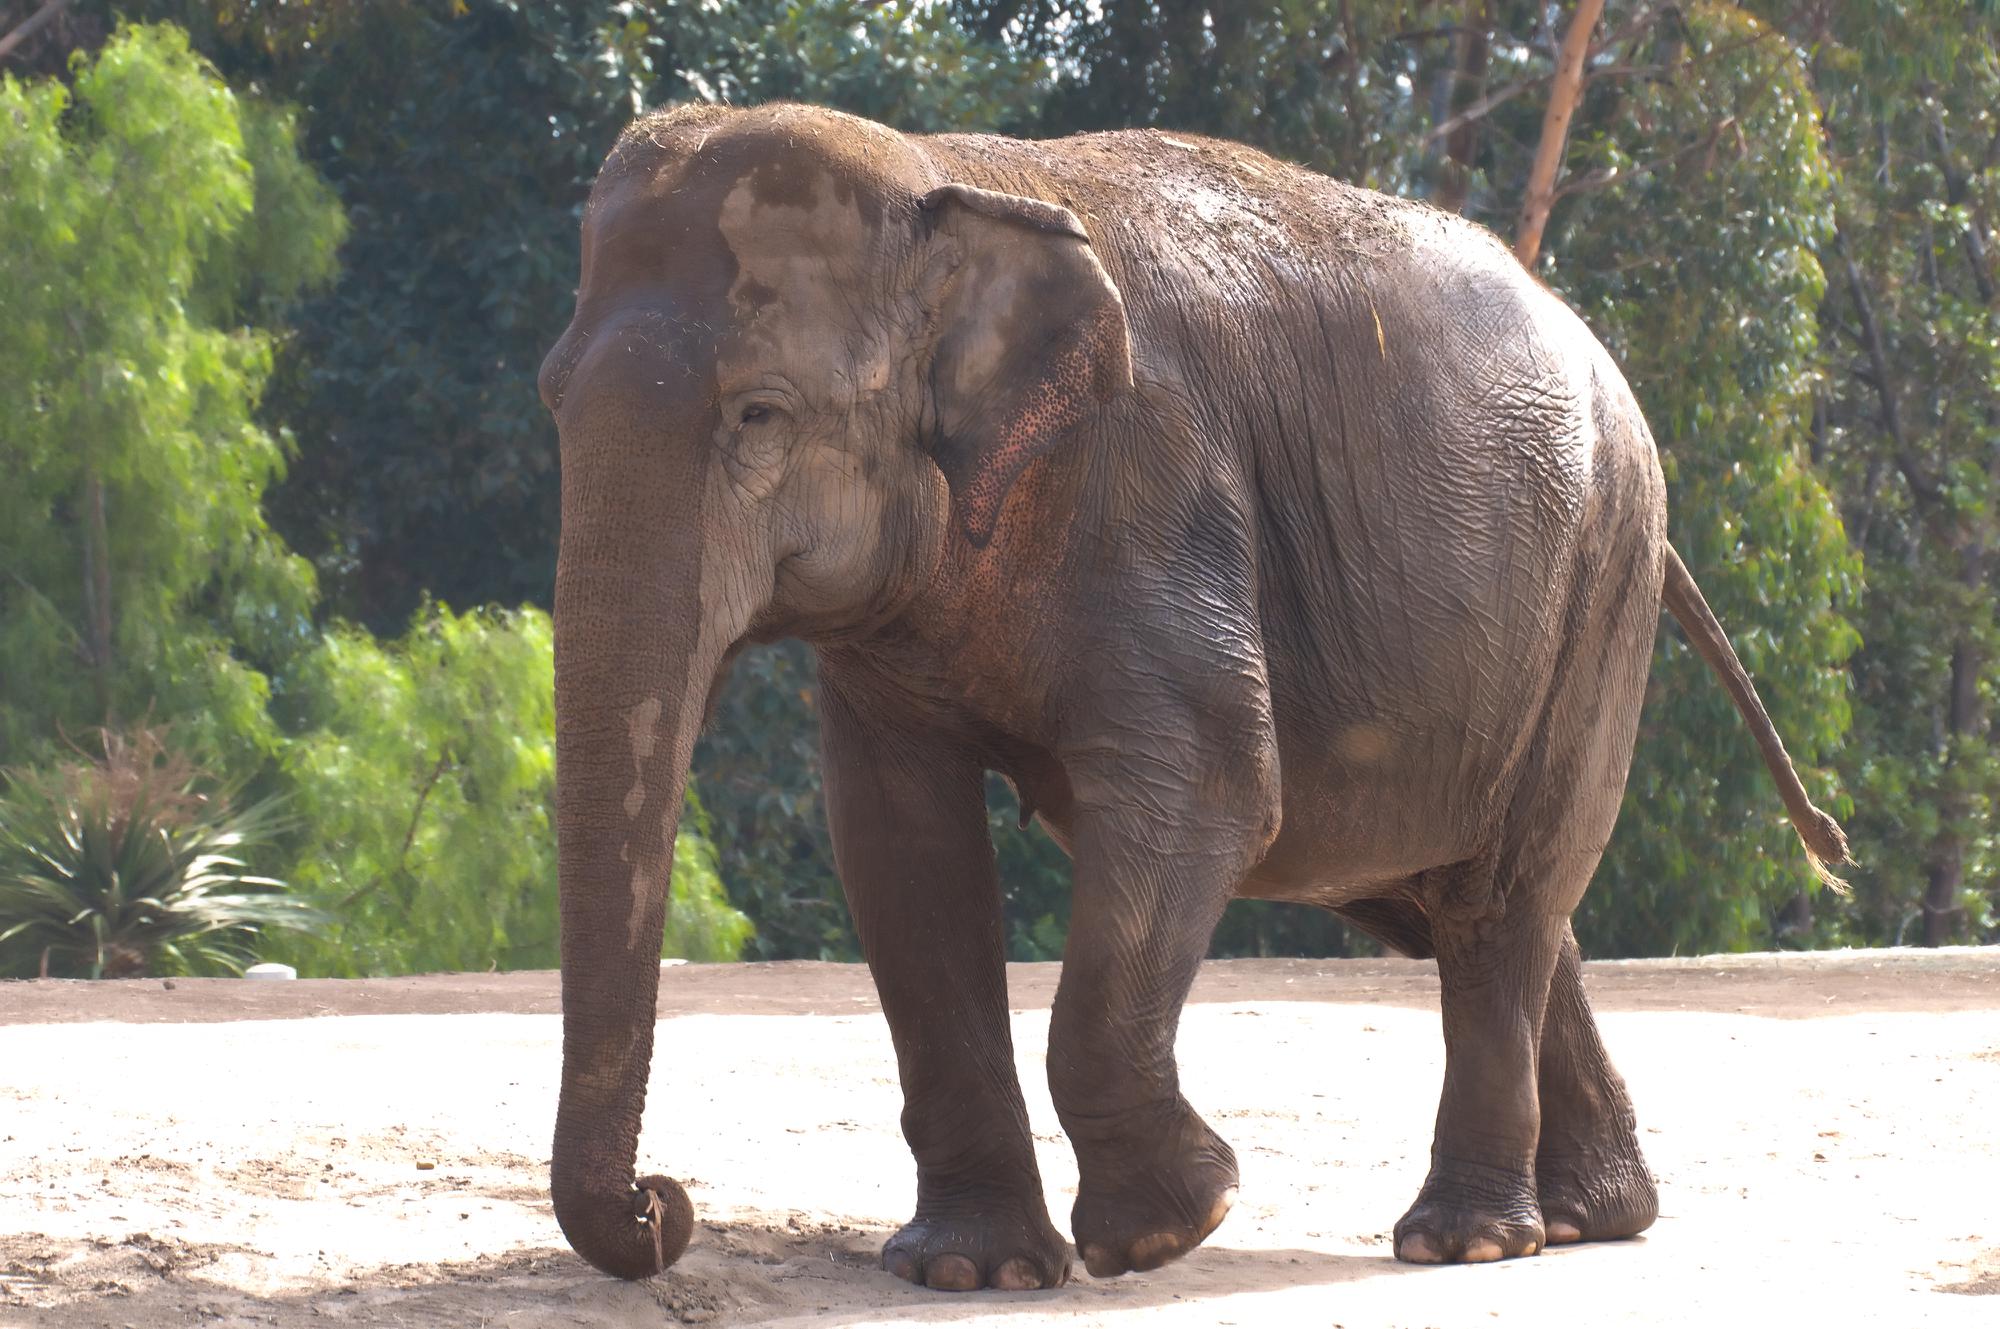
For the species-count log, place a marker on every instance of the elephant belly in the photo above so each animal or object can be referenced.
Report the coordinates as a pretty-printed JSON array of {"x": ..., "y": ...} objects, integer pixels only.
[
  {"x": 1403, "y": 756},
  {"x": 1348, "y": 832}
]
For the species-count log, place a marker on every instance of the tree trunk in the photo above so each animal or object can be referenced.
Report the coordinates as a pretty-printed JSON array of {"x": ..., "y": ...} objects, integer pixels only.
[
  {"x": 1945, "y": 874},
  {"x": 1564, "y": 94},
  {"x": 1964, "y": 719},
  {"x": 97, "y": 589},
  {"x": 1468, "y": 84}
]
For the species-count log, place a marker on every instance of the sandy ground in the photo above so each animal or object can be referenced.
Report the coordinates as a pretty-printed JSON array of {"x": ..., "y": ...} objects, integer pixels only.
[{"x": 1826, "y": 1132}]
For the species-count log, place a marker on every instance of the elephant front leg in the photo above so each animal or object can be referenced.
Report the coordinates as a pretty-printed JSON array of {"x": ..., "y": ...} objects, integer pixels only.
[
  {"x": 916, "y": 861},
  {"x": 1157, "y": 858}
]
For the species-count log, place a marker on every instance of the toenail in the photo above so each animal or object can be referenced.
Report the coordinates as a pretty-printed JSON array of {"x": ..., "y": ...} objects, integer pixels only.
[
  {"x": 951, "y": 1273},
  {"x": 1223, "y": 1203},
  {"x": 1562, "y": 1233},
  {"x": 1100, "y": 1260},
  {"x": 1481, "y": 1249},
  {"x": 1017, "y": 1275},
  {"x": 902, "y": 1264},
  {"x": 1153, "y": 1250},
  {"x": 1417, "y": 1249}
]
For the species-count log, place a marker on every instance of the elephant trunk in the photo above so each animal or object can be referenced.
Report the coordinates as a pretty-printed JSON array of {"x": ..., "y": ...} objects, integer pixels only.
[{"x": 633, "y": 664}]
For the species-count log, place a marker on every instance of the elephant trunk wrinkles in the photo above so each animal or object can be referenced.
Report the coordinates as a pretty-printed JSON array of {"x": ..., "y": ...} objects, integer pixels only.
[{"x": 629, "y": 643}]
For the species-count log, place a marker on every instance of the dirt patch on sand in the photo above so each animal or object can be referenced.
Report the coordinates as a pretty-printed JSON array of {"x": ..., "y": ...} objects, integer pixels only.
[{"x": 376, "y": 1152}]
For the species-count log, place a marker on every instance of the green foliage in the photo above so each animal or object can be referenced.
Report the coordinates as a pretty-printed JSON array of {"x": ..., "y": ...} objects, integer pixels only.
[
  {"x": 1034, "y": 878},
  {"x": 155, "y": 212},
  {"x": 137, "y": 572},
  {"x": 422, "y": 773},
  {"x": 462, "y": 140},
  {"x": 702, "y": 924},
  {"x": 1714, "y": 320},
  {"x": 122, "y": 866},
  {"x": 1325, "y": 85},
  {"x": 757, "y": 764},
  {"x": 905, "y": 62},
  {"x": 1726, "y": 165},
  {"x": 1909, "y": 423}
]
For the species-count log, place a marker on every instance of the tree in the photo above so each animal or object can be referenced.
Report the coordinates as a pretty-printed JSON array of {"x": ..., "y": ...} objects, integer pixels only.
[
  {"x": 1908, "y": 419},
  {"x": 126, "y": 864},
  {"x": 1328, "y": 85},
  {"x": 1690, "y": 240},
  {"x": 150, "y": 214},
  {"x": 1539, "y": 194},
  {"x": 906, "y": 63},
  {"x": 422, "y": 777}
]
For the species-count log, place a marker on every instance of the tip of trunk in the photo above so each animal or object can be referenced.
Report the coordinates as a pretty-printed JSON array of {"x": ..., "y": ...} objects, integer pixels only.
[{"x": 635, "y": 1234}]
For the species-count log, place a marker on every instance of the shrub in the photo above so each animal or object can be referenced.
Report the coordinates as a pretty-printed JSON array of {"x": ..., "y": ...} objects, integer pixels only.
[
  {"x": 423, "y": 773},
  {"x": 120, "y": 866}
]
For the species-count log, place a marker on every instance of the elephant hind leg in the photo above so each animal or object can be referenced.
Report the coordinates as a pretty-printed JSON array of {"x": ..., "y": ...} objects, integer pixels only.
[
  {"x": 1589, "y": 1173},
  {"x": 1479, "y": 1201},
  {"x": 1591, "y": 1181},
  {"x": 1521, "y": 1051}
]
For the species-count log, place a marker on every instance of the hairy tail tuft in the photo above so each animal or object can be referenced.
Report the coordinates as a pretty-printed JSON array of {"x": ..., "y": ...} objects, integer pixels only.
[{"x": 1825, "y": 842}]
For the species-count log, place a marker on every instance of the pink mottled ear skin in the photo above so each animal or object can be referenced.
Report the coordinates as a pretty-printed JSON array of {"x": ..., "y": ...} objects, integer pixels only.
[
  {"x": 1085, "y": 369},
  {"x": 1066, "y": 350}
]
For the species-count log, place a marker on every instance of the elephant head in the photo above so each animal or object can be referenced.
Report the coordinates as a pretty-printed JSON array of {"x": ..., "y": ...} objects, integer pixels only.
[{"x": 807, "y": 363}]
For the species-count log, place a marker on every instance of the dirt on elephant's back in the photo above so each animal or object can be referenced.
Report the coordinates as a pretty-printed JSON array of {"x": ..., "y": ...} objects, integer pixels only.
[{"x": 375, "y": 1151}]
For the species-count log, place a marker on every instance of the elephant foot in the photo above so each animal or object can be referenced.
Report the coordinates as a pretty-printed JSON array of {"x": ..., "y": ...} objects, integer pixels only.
[
  {"x": 1150, "y": 1195},
  {"x": 1595, "y": 1196},
  {"x": 1470, "y": 1214},
  {"x": 1009, "y": 1247}
]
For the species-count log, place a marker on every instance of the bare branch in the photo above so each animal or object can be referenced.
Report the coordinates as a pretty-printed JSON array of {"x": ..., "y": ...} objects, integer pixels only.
[
  {"x": 1610, "y": 175},
  {"x": 1468, "y": 75},
  {"x": 409, "y": 836},
  {"x": 1971, "y": 238},
  {"x": 1484, "y": 106},
  {"x": 28, "y": 26},
  {"x": 1501, "y": 96},
  {"x": 1921, "y": 485}
]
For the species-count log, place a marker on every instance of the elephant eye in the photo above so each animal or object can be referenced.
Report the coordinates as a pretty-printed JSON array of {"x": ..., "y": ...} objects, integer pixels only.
[{"x": 754, "y": 413}]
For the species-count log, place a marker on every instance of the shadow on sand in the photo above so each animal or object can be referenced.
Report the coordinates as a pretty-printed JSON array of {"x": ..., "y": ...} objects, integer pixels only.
[{"x": 734, "y": 1274}]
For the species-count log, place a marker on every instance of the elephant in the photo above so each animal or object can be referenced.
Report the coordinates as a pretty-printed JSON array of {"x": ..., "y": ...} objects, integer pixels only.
[{"x": 1272, "y": 537}]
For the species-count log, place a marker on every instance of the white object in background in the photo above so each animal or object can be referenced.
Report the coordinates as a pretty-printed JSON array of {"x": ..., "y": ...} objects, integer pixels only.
[{"x": 270, "y": 971}]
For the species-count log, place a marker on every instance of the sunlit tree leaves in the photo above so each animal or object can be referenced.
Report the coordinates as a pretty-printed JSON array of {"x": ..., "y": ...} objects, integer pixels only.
[
  {"x": 148, "y": 212},
  {"x": 422, "y": 776}
]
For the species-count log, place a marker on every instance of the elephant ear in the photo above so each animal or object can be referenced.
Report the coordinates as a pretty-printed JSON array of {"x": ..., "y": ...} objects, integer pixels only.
[{"x": 1031, "y": 336}]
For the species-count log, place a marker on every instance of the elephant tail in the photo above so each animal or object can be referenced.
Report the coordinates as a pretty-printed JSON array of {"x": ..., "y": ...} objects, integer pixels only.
[{"x": 1825, "y": 842}]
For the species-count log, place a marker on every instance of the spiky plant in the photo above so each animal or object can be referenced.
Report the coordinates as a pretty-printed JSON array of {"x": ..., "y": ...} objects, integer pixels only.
[{"x": 119, "y": 866}]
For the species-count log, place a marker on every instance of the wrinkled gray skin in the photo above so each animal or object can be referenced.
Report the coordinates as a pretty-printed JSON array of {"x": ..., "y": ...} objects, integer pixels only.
[{"x": 1274, "y": 538}]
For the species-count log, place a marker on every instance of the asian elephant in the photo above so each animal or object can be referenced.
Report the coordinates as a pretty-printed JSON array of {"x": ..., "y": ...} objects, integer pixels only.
[{"x": 1273, "y": 537}]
